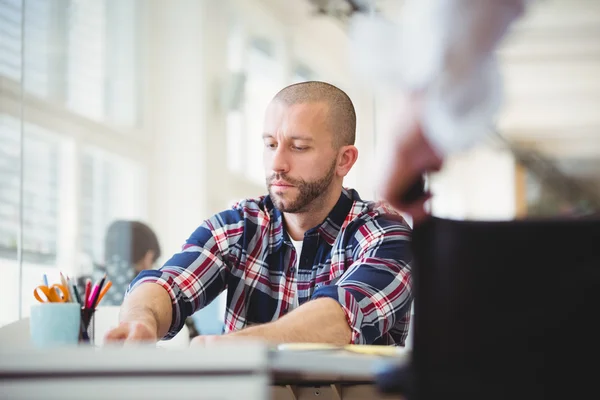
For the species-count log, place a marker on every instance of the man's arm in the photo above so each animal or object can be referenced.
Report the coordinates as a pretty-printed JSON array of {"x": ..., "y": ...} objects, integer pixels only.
[
  {"x": 159, "y": 301},
  {"x": 145, "y": 315},
  {"x": 317, "y": 321},
  {"x": 375, "y": 292},
  {"x": 362, "y": 306}
]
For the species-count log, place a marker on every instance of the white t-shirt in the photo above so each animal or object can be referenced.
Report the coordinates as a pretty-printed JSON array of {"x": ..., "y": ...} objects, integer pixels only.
[{"x": 298, "y": 246}]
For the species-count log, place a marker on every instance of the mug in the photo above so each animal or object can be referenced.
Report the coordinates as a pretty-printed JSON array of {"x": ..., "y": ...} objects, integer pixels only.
[{"x": 55, "y": 324}]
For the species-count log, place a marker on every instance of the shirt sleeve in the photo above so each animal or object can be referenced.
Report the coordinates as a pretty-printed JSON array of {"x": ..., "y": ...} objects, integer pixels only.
[
  {"x": 376, "y": 290},
  {"x": 444, "y": 50},
  {"x": 198, "y": 273}
]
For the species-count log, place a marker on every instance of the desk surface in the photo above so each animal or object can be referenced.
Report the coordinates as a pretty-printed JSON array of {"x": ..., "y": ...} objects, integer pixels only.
[
  {"x": 252, "y": 371},
  {"x": 284, "y": 366}
]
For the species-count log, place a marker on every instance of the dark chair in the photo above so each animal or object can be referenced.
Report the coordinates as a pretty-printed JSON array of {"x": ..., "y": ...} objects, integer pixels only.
[{"x": 504, "y": 310}]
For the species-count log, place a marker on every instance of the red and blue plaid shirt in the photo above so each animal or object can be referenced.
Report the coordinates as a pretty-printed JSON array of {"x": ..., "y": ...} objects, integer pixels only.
[{"x": 358, "y": 256}]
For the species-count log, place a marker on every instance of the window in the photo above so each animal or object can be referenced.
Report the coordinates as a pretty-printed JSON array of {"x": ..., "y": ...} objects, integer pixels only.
[
  {"x": 37, "y": 36},
  {"x": 262, "y": 78},
  {"x": 40, "y": 192},
  {"x": 101, "y": 60},
  {"x": 260, "y": 63},
  {"x": 303, "y": 73},
  {"x": 232, "y": 98},
  {"x": 9, "y": 186},
  {"x": 30, "y": 209},
  {"x": 111, "y": 188},
  {"x": 77, "y": 63},
  {"x": 78, "y": 53},
  {"x": 265, "y": 79}
]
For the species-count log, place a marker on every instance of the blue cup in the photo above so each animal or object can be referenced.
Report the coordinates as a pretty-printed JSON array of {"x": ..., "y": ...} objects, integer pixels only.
[{"x": 55, "y": 324}]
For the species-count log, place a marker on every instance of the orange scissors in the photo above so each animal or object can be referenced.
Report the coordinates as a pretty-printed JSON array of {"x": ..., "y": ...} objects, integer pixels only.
[{"x": 55, "y": 293}]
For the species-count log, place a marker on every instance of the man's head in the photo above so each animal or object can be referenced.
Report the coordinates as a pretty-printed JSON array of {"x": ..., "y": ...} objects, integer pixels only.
[
  {"x": 133, "y": 242},
  {"x": 309, "y": 135}
]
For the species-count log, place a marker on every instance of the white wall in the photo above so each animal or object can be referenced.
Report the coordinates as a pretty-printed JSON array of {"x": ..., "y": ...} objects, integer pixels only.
[
  {"x": 177, "y": 120},
  {"x": 188, "y": 54},
  {"x": 478, "y": 184},
  {"x": 550, "y": 63}
]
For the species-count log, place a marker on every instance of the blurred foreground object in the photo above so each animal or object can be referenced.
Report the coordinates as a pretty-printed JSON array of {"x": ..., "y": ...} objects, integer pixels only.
[{"x": 504, "y": 309}]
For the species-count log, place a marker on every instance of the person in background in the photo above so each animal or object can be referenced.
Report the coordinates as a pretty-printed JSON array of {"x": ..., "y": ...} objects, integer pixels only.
[
  {"x": 130, "y": 247},
  {"x": 309, "y": 262},
  {"x": 441, "y": 60}
]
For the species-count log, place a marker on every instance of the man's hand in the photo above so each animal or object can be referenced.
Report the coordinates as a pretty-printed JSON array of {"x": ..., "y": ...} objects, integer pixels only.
[
  {"x": 131, "y": 332},
  {"x": 145, "y": 316},
  {"x": 412, "y": 157},
  {"x": 297, "y": 326}
]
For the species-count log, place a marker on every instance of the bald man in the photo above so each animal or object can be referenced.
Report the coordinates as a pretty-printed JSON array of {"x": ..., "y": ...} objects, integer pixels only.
[{"x": 309, "y": 262}]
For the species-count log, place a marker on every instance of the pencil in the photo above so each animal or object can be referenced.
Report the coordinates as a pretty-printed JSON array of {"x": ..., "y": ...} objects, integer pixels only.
[
  {"x": 63, "y": 281},
  {"x": 70, "y": 289},
  {"x": 103, "y": 292}
]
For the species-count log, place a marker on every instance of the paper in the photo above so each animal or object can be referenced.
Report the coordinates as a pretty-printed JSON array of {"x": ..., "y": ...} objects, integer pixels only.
[{"x": 376, "y": 350}]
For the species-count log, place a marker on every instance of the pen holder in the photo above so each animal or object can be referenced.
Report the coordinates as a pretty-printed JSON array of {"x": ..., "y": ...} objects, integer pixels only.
[
  {"x": 86, "y": 334},
  {"x": 54, "y": 324}
]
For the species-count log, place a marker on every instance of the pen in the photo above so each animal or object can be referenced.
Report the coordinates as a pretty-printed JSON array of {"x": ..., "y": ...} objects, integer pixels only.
[
  {"x": 96, "y": 293},
  {"x": 76, "y": 293},
  {"x": 88, "y": 289},
  {"x": 103, "y": 292},
  {"x": 45, "y": 279}
]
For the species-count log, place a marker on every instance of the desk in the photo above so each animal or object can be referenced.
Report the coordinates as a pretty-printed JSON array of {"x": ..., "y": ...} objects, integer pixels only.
[{"x": 234, "y": 371}]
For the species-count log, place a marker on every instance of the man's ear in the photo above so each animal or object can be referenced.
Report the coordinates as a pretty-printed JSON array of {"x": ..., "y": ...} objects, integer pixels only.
[{"x": 347, "y": 156}]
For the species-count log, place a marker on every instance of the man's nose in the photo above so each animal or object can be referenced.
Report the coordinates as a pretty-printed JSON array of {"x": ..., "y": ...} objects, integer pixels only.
[{"x": 279, "y": 162}]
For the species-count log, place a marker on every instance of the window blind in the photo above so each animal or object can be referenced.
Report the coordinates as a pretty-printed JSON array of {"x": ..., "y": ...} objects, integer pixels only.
[
  {"x": 40, "y": 191},
  {"x": 79, "y": 53}
]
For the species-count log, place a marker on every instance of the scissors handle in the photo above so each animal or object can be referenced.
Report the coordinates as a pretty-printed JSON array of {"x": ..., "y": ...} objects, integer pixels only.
[
  {"x": 53, "y": 294},
  {"x": 36, "y": 294}
]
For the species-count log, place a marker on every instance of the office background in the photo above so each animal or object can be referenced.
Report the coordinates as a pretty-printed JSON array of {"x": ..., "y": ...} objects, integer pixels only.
[{"x": 152, "y": 110}]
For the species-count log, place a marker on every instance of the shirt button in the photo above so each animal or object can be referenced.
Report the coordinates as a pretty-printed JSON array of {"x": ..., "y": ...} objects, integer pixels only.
[{"x": 292, "y": 270}]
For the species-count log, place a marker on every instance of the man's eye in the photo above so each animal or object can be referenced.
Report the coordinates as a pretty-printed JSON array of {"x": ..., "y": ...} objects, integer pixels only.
[
  {"x": 299, "y": 148},
  {"x": 270, "y": 145}
]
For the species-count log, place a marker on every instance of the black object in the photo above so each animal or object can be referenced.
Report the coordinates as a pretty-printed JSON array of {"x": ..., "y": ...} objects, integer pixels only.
[
  {"x": 87, "y": 315},
  {"x": 415, "y": 191},
  {"x": 397, "y": 379},
  {"x": 505, "y": 309}
]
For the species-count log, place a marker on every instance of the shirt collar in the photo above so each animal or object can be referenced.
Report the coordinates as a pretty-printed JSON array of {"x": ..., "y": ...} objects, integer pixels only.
[{"x": 328, "y": 229}]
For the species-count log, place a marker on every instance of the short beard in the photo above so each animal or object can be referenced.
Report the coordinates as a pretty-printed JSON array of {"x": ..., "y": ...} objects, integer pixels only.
[{"x": 308, "y": 192}]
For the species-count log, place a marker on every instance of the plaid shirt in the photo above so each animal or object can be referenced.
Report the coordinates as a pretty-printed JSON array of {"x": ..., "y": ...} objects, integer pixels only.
[{"x": 358, "y": 256}]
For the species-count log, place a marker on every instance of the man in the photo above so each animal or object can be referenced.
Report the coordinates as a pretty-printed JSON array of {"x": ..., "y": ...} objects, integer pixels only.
[
  {"x": 309, "y": 262},
  {"x": 441, "y": 58}
]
